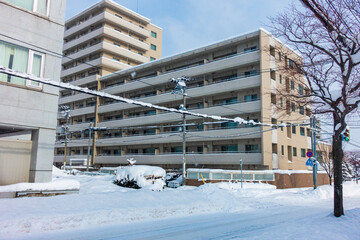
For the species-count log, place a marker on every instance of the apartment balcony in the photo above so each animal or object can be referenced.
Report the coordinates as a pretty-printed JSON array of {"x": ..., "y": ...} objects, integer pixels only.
[
  {"x": 274, "y": 136},
  {"x": 75, "y": 127},
  {"x": 213, "y": 159},
  {"x": 308, "y": 141},
  {"x": 240, "y": 83},
  {"x": 60, "y": 158},
  {"x": 124, "y": 52},
  {"x": 83, "y": 81},
  {"x": 217, "y": 65},
  {"x": 106, "y": 32},
  {"x": 110, "y": 18},
  {"x": 244, "y": 107},
  {"x": 82, "y": 111},
  {"x": 98, "y": 62},
  {"x": 273, "y": 86},
  {"x": 74, "y": 98},
  {"x": 195, "y": 136},
  {"x": 97, "y": 19},
  {"x": 274, "y": 111},
  {"x": 105, "y": 46}
]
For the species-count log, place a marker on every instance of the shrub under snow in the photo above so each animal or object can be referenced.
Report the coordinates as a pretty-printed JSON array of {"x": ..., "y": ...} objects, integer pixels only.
[{"x": 141, "y": 176}]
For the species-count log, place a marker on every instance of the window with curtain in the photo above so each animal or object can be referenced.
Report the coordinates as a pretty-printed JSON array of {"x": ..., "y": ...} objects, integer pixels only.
[
  {"x": 39, "y": 6},
  {"x": 27, "y": 4},
  {"x": 20, "y": 59}
]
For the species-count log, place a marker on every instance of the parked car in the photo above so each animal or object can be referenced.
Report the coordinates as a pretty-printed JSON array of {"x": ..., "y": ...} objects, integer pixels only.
[
  {"x": 176, "y": 182},
  {"x": 141, "y": 176}
]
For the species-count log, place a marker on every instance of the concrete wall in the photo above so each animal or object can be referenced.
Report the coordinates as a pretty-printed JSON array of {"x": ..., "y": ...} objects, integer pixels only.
[{"x": 14, "y": 161}]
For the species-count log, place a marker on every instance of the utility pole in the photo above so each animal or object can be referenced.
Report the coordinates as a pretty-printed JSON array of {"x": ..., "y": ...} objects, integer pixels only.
[
  {"x": 181, "y": 89},
  {"x": 65, "y": 128},
  {"x": 242, "y": 179},
  {"x": 88, "y": 153},
  {"x": 313, "y": 129},
  {"x": 184, "y": 140}
]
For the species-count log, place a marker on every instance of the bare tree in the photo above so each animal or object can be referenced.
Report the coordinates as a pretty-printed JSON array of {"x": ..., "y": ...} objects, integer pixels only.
[
  {"x": 325, "y": 159},
  {"x": 326, "y": 34},
  {"x": 351, "y": 165}
]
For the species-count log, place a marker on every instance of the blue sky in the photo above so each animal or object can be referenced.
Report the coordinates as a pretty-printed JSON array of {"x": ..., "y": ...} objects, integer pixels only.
[{"x": 188, "y": 24}]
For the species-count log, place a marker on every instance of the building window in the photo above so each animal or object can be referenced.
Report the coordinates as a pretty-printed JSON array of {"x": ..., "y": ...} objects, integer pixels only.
[
  {"x": 249, "y": 49},
  {"x": 282, "y": 150},
  {"x": 229, "y": 125},
  {"x": 229, "y": 101},
  {"x": 301, "y": 110},
  {"x": 251, "y": 148},
  {"x": 229, "y": 148},
  {"x": 294, "y": 152},
  {"x": 118, "y": 15},
  {"x": 301, "y": 89},
  {"x": 149, "y": 151},
  {"x": 282, "y": 128},
  {"x": 38, "y": 6},
  {"x": 303, "y": 153},
  {"x": 280, "y": 78},
  {"x": 281, "y": 102},
  {"x": 291, "y": 63},
  {"x": 23, "y": 60},
  {"x": 152, "y": 59},
  {"x": 153, "y": 47},
  {"x": 279, "y": 55},
  {"x": 293, "y": 129},
  {"x": 249, "y": 98},
  {"x": 153, "y": 34},
  {"x": 292, "y": 85},
  {"x": 117, "y": 44},
  {"x": 302, "y": 131},
  {"x": 293, "y": 107},
  {"x": 116, "y": 59}
]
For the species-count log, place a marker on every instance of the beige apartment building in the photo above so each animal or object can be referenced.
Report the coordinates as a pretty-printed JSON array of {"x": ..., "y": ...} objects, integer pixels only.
[
  {"x": 239, "y": 77},
  {"x": 102, "y": 39}
]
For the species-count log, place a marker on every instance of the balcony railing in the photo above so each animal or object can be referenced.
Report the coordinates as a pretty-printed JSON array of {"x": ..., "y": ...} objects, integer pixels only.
[{"x": 192, "y": 66}]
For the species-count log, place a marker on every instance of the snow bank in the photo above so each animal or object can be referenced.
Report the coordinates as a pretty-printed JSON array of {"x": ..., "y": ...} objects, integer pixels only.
[
  {"x": 50, "y": 186},
  {"x": 141, "y": 176}
]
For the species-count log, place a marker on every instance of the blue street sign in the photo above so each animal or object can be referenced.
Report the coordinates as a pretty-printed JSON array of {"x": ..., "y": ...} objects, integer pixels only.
[{"x": 309, "y": 162}]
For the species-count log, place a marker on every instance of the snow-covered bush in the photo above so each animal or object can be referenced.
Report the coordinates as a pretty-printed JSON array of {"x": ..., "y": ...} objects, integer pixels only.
[{"x": 141, "y": 176}]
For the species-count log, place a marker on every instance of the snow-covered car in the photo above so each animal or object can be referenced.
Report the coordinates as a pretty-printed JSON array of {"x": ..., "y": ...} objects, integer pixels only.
[
  {"x": 175, "y": 183},
  {"x": 141, "y": 176}
]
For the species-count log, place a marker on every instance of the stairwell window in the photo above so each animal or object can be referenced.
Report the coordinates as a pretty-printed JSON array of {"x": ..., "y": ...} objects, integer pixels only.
[
  {"x": 153, "y": 34},
  {"x": 23, "y": 60},
  {"x": 153, "y": 47},
  {"x": 38, "y": 6}
]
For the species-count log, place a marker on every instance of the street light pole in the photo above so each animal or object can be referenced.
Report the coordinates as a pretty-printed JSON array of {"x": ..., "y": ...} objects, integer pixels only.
[{"x": 181, "y": 89}]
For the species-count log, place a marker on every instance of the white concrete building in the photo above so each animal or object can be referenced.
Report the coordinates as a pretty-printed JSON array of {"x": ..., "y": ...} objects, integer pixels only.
[{"x": 31, "y": 42}]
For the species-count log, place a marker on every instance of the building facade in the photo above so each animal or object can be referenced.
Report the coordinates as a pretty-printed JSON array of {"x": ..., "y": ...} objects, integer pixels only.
[
  {"x": 238, "y": 77},
  {"x": 102, "y": 39},
  {"x": 30, "y": 42}
]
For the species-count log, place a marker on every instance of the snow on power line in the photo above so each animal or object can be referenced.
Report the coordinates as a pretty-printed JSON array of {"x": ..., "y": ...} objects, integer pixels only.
[{"x": 130, "y": 101}]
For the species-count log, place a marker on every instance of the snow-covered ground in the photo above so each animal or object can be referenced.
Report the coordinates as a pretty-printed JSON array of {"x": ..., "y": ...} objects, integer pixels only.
[{"x": 103, "y": 210}]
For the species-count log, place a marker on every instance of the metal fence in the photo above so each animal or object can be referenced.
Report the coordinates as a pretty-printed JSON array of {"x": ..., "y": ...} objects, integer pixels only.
[{"x": 230, "y": 175}]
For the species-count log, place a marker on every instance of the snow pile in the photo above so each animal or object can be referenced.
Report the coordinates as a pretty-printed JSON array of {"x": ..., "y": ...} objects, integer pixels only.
[
  {"x": 50, "y": 186},
  {"x": 141, "y": 176}
]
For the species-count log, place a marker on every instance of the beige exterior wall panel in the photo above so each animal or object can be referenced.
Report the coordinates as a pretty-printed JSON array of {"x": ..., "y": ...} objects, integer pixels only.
[{"x": 14, "y": 161}]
